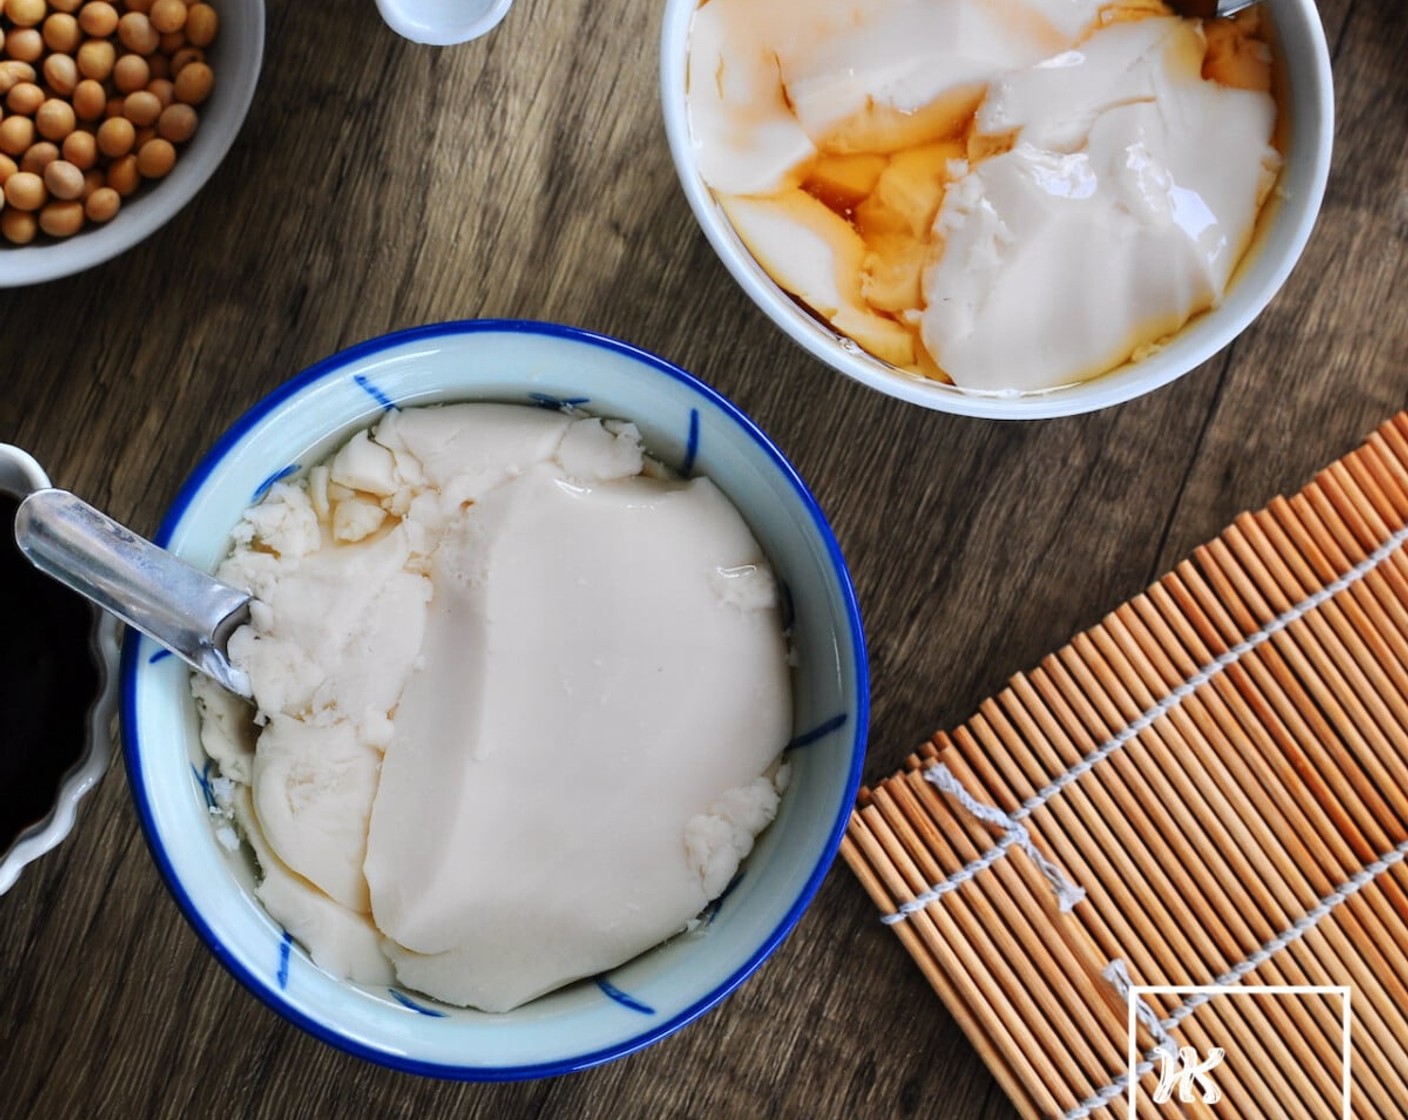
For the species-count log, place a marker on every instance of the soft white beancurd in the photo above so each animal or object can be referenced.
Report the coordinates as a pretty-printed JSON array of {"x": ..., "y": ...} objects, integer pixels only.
[
  {"x": 1133, "y": 176},
  {"x": 1007, "y": 195},
  {"x": 520, "y": 730}
]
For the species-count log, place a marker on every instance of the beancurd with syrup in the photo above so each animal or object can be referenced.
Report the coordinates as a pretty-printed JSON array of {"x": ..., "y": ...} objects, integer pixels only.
[
  {"x": 521, "y": 696},
  {"x": 1008, "y": 196}
]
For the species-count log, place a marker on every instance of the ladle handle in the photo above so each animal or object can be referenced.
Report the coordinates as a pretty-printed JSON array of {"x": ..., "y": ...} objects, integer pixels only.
[{"x": 187, "y": 611}]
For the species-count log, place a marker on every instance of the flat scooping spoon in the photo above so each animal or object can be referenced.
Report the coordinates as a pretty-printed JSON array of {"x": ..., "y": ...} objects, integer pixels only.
[{"x": 189, "y": 612}]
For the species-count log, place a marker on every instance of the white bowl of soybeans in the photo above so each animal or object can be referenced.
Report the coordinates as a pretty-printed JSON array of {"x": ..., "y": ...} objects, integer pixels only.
[{"x": 113, "y": 114}]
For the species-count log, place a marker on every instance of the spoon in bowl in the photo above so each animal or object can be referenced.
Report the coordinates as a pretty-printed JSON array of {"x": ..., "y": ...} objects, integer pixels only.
[
  {"x": 189, "y": 612},
  {"x": 1208, "y": 9}
]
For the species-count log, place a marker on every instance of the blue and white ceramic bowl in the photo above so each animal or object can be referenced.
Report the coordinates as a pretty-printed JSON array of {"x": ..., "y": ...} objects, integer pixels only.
[{"x": 689, "y": 426}]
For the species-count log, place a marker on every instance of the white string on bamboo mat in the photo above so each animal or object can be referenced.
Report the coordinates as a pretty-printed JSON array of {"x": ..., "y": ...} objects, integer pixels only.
[
  {"x": 1010, "y": 824},
  {"x": 1118, "y": 975}
]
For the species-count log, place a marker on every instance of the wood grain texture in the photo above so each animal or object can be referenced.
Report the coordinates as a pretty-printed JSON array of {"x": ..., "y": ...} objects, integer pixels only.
[{"x": 378, "y": 185}]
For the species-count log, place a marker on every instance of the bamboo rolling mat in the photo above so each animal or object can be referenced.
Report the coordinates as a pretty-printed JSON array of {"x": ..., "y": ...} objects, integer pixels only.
[{"x": 1208, "y": 790}]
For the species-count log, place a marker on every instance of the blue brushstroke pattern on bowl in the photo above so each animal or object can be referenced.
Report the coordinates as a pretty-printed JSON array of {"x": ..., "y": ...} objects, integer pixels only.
[{"x": 688, "y": 425}]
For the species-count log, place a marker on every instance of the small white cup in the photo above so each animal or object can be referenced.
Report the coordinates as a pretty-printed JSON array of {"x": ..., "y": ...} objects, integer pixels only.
[{"x": 442, "y": 23}]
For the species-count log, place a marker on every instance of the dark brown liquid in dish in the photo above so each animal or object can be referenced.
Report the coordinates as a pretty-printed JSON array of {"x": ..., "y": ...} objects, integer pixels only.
[{"x": 47, "y": 683}]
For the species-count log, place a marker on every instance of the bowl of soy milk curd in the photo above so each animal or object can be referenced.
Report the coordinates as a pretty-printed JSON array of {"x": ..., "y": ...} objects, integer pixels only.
[
  {"x": 559, "y": 701},
  {"x": 1020, "y": 210}
]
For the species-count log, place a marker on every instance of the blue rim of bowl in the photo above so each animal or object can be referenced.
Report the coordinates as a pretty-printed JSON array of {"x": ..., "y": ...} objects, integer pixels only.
[{"x": 326, "y": 368}]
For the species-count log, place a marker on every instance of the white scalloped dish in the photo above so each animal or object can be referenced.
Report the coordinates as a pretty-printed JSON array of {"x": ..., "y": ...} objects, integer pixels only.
[{"x": 57, "y": 698}]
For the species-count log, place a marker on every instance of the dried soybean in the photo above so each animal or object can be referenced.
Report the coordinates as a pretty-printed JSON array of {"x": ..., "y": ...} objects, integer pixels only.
[{"x": 98, "y": 97}]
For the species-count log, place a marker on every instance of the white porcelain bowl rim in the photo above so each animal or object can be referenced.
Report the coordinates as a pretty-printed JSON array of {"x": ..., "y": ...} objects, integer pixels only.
[
  {"x": 1303, "y": 186},
  {"x": 138, "y": 219},
  {"x": 137, "y": 649}
]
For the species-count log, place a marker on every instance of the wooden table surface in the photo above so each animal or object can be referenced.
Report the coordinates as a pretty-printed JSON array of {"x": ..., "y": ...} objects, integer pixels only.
[{"x": 377, "y": 185}]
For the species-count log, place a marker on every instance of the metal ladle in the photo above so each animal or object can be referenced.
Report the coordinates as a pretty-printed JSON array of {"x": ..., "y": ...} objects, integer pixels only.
[
  {"x": 1209, "y": 9},
  {"x": 189, "y": 612}
]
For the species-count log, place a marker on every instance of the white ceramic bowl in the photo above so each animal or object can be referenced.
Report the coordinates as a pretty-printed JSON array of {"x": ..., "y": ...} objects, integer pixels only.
[
  {"x": 1301, "y": 39},
  {"x": 689, "y": 426},
  {"x": 235, "y": 56},
  {"x": 19, "y": 475}
]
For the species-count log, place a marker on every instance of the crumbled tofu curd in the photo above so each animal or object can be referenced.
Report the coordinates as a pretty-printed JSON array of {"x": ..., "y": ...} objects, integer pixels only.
[
  {"x": 1010, "y": 195},
  {"x": 520, "y": 701}
]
